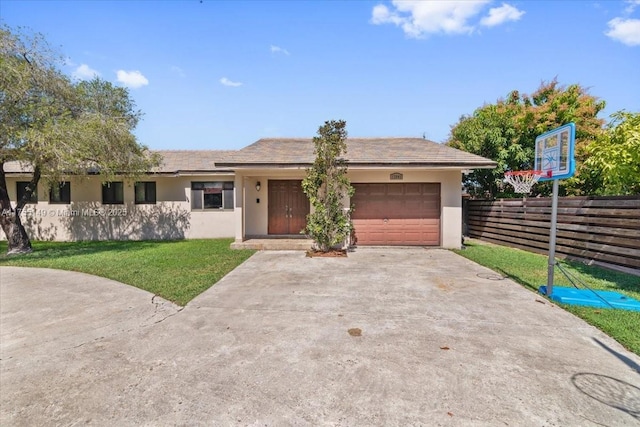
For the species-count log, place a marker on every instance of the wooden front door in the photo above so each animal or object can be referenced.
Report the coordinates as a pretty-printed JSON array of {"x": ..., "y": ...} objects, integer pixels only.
[{"x": 288, "y": 207}]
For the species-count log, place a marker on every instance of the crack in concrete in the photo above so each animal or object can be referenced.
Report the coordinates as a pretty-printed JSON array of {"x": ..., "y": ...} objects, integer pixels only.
[
  {"x": 158, "y": 305},
  {"x": 162, "y": 303},
  {"x": 167, "y": 316},
  {"x": 86, "y": 342}
]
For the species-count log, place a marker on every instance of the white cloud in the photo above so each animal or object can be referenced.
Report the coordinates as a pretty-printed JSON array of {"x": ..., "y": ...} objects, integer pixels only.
[
  {"x": 382, "y": 15},
  {"x": 133, "y": 79},
  {"x": 278, "y": 49},
  {"x": 500, "y": 15},
  {"x": 420, "y": 18},
  {"x": 84, "y": 72},
  {"x": 225, "y": 81},
  {"x": 632, "y": 6},
  {"x": 626, "y": 31},
  {"x": 177, "y": 70}
]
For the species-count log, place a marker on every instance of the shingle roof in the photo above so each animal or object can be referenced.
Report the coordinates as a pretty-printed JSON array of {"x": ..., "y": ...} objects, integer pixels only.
[
  {"x": 173, "y": 161},
  {"x": 360, "y": 151},
  {"x": 191, "y": 160},
  {"x": 300, "y": 151},
  {"x": 17, "y": 167}
]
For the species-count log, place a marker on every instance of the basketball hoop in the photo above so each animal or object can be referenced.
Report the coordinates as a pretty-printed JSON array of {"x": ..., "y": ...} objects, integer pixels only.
[{"x": 523, "y": 181}]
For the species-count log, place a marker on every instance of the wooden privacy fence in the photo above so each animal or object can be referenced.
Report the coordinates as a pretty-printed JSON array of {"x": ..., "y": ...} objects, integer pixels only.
[{"x": 603, "y": 230}]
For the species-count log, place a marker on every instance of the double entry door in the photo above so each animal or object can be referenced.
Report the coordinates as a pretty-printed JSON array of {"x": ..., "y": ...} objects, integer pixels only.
[{"x": 288, "y": 206}]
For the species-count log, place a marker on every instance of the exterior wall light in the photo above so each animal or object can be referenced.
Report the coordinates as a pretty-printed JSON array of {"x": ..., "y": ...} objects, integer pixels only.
[{"x": 258, "y": 186}]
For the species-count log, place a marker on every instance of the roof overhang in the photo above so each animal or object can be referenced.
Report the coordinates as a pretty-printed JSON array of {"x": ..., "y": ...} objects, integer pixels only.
[{"x": 372, "y": 165}]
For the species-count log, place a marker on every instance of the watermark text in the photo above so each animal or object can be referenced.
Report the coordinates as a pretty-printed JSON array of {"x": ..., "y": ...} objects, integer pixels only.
[{"x": 67, "y": 213}]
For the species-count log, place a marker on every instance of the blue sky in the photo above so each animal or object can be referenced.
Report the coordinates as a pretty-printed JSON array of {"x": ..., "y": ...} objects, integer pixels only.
[{"x": 222, "y": 74}]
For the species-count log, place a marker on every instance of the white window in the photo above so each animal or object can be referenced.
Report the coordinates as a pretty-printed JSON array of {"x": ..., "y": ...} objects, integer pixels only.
[
  {"x": 113, "y": 193},
  {"x": 212, "y": 195},
  {"x": 145, "y": 193},
  {"x": 21, "y": 189},
  {"x": 60, "y": 193}
]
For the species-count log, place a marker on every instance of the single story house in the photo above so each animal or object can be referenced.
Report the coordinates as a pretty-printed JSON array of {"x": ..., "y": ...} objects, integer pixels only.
[{"x": 407, "y": 192}]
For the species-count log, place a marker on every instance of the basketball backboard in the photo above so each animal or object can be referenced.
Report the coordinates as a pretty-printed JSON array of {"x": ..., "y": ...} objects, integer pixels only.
[{"x": 555, "y": 153}]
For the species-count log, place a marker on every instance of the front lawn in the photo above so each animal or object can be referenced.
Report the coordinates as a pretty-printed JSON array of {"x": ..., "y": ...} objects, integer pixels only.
[
  {"x": 175, "y": 270},
  {"x": 530, "y": 270}
]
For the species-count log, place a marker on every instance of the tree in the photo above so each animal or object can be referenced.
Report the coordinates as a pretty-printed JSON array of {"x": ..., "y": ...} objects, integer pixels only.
[
  {"x": 57, "y": 127},
  {"x": 614, "y": 158},
  {"x": 325, "y": 185},
  {"x": 506, "y": 132},
  {"x": 490, "y": 132}
]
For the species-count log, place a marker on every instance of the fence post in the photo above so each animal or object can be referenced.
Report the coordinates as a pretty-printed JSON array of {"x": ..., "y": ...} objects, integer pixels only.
[{"x": 465, "y": 217}]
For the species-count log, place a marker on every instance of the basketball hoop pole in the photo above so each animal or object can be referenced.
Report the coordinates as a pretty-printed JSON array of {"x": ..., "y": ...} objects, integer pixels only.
[
  {"x": 552, "y": 238},
  {"x": 555, "y": 154}
]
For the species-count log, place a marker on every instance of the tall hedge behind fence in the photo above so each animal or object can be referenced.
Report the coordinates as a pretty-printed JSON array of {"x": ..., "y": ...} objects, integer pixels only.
[{"x": 605, "y": 230}]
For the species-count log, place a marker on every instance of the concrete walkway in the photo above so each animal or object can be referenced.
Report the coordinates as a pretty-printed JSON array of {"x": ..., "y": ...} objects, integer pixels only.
[{"x": 383, "y": 337}]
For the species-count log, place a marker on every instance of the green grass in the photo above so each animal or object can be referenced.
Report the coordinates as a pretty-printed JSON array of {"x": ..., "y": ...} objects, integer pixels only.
[
  {"x": 530, "y": 270},
  {"x": 175, "y": 270}
]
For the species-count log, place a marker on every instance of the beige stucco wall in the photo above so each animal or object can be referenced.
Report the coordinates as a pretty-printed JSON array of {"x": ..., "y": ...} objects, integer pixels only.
[
  {"x": 171, "y": 218},
  {"x": 87, "y": 219},
  {"x": 256, "y": 213}
]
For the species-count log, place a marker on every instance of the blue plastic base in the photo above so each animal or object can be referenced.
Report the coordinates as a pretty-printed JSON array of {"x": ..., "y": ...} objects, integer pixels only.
[{"x": 586, "y": 298}]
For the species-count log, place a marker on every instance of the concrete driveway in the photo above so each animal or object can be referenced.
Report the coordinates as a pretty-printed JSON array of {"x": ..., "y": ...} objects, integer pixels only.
[{"x": 276, "y": 342}]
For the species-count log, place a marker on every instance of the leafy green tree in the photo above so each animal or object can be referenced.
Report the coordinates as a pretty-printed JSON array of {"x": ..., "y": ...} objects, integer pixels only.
[
  {"x": 614, "y": 158},
  {"x": 57, "y": 127},
  {"x": 326, "y": 184},
  {"x": 490, "y": 132},
  {"x": 506, "y": 132}
]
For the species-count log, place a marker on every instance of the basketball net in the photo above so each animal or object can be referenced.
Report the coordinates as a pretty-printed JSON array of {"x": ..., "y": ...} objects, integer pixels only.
[{"x": 523, "y": 181}]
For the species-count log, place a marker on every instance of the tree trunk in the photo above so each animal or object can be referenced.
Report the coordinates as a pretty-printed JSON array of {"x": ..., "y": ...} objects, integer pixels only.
[{"x": 17, "y": 238}]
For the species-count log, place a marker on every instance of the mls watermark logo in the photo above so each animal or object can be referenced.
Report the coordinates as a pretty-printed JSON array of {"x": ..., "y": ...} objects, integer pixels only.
[{"x": 67, "y": 213}]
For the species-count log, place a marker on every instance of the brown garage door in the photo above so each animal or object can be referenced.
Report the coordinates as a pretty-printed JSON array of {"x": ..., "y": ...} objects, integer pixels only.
[{"x": 397, "y": 214}]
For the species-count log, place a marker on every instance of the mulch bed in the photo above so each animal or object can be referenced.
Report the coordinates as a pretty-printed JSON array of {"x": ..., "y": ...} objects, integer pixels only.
[{"x": 332, "y": 253}]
